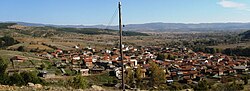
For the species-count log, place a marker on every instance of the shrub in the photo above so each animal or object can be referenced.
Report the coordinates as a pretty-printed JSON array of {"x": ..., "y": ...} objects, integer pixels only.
[
  {"x": 157, "y": 75},
  {"x": 7, "y": 41},
  {"x": 186, "y": 86},
  {"x": 176, "y": 86},
  {"x": 16, "y": 79},
  {"x": 3, "y": 67},
  {"x": 234, "y": 87},
  {"x": 31, "y": 77},
  {"x": 78, "y": 82},
  {"x": 202, "y": 86},
  {"x": 21, "y": 48}
]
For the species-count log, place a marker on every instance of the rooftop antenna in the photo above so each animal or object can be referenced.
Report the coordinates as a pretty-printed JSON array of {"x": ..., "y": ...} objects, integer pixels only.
[{"x": 121, "y": 53}]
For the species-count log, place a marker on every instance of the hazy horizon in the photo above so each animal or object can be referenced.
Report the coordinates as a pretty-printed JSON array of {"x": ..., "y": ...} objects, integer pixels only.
[
  {"x": 117, "y": 24},
  {"x": 96, "y": 12}
]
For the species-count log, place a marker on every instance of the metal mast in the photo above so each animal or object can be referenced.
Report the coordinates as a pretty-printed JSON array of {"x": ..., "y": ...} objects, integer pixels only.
[{"x": 121, "y": 53}]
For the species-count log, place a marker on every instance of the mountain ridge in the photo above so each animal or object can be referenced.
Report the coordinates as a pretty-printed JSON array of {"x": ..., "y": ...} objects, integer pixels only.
[{"x": 159, "y": 26}]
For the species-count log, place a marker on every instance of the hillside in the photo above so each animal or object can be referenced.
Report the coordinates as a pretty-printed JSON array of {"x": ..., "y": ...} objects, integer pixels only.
[
  {"x": 245, "y": 35},
  {"x": 5, "y": 25},
  {"x": 45, "y": 31},
  {"x": 36, "y": 39}
]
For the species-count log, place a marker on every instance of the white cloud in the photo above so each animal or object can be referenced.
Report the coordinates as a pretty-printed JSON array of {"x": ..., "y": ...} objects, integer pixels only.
[{"x": 231, "y": 4}]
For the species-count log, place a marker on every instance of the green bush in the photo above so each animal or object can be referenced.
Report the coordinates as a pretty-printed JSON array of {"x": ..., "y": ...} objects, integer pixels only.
[
  {"x": 16, "y": 79},
  {"x": 176, "y": 86},
  {"x": 157, "y": 75},
  {"x": 7, "y": 41},
  {"x": 3, "y": 67},
  {"x": 233, "y": 87},
  {"x": 202, "y": 86},
  {"x": 21, "y": 48},
  {"x": 31, "y": 77},
  {"x": 186, "y": 86},
  {"x": 78, "y": 82}
]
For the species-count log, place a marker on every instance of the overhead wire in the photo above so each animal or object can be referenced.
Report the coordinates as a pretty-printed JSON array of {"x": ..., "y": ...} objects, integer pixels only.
[{"x": 112, "y": 19}]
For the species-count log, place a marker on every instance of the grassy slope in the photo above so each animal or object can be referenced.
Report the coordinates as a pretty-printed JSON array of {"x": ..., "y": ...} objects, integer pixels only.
[{"x": 6, "y": 54}]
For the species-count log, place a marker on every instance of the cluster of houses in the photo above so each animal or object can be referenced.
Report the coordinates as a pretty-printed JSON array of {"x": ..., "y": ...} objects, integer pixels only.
[{"x": 187, "y": 66}]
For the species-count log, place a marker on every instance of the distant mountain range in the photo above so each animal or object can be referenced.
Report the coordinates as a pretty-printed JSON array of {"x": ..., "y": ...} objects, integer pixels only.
[{"x": 161, "y": 27}]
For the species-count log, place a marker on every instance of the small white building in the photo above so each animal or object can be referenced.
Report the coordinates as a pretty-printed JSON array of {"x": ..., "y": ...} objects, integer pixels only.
[{"x": 84, "y": 72}]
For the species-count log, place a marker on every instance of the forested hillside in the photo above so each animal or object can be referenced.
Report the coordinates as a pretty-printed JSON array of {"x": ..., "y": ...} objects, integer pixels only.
[
  {"x": 245, "y": 35},
  {"x": 96, "y": 31},
  {"x": 5, "y": 25}
]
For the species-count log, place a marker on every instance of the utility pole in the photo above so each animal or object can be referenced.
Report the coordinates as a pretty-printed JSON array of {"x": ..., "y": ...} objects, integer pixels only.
[{"x": 121, "y": 53}]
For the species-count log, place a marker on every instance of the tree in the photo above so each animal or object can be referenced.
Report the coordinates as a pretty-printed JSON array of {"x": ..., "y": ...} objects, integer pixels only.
[
  {"x": 202, "y": 86},
  {"x": 31, "y": 77},
  {"x": 7, "y": 41},
  {"x": 218, "y": 50},
  {"x": 218, "y": 87},
  {"x": 171, "y": 57},
  {"x": 234, "y": 87},
  {"x": 157, "y": 75},
  {"x": 160, "y": 56},
  {"x": 78, "y": 82},
  {"x": 43, "y": 66},
  {"x": 3, "y": 67},
  {"x": 245, "y": 79},
  {"x": 176, "y": 86},
  {"x": 213, "y": 50},
  {"x": 16, "y": 79},
  {"x": 20, "y": 48},
  {"x": 138, "y": 76},
  {"x": 129, "y": 77}
]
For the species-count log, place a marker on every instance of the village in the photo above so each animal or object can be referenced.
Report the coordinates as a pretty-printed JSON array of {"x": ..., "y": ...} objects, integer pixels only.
[{"x": 180, "y": 64}]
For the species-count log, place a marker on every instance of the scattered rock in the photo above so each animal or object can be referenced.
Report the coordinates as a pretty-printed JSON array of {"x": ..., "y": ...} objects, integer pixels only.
[
  {"x": 98, "y": 88},
  {"x": 79, "y": 90},
  {"x": 31, "y": 84},
  {"x": 38, "y": 86}
]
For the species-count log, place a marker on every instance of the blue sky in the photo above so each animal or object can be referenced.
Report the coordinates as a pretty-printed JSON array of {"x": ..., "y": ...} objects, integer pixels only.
[{"x": 94, "y": 12}]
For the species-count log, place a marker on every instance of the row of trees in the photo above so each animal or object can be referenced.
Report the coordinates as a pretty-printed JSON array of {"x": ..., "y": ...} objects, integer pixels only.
[
  {"x": 237, "y": 51},
  {"x": 228, "y": 51},
  {"x": 207, "y": 50},
  {"x": 162, "y": 56}
]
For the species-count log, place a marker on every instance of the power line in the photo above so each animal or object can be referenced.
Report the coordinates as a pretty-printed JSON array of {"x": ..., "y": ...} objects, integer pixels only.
[{"x": 112, "y": 18}]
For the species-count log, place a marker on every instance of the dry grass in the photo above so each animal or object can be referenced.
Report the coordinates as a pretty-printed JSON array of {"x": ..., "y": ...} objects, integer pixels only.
[
  {"x": 40, "y": 47},
  {"x": 30, "y": 46},
  {"x": 32, "y": 39}
]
